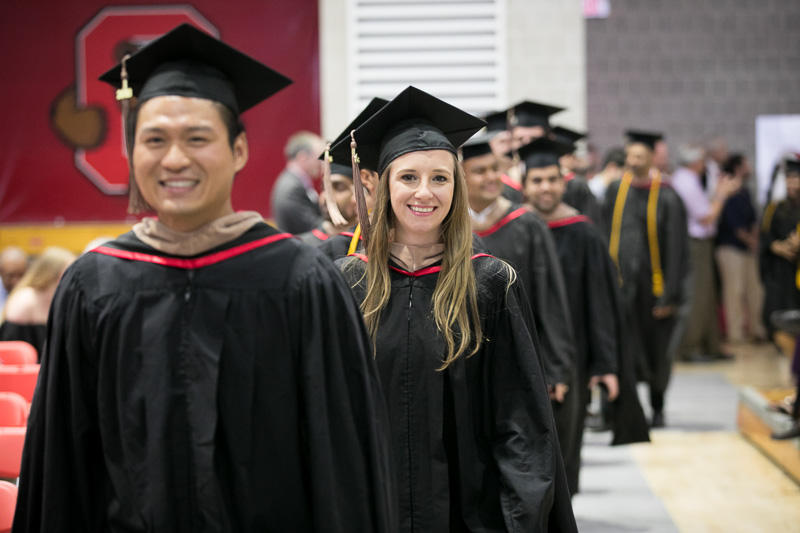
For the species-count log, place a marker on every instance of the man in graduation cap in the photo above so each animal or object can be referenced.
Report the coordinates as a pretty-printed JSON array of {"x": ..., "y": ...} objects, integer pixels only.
[
  {"x": 341, "y": 214},
  {"x": 499, "y": 135},
  {"x": 364, "y": 187},
  {"x": 514, "y": 234},
  {"x": 649, "y": 243},
  {"x": 203, "y": 372},
  {"x": 591, "y": 281},
  {"x": 780, "y": 249},
  {"x": 577, "y": 193}
]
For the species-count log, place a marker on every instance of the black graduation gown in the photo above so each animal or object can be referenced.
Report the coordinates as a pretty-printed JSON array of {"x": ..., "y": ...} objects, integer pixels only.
[
  {"x": 474, "y": 445},
  {"x": 591, "y": 280},
  {"x": 33, "y": 334},
  {"x": 523, "y": 240},
  {"x": 314, "y": 238},
  {"x": 338, "y": 246},
  {"x": 235, "y": 391},
  {"x": 578, "y": 195},
  {"x": 653, "y": 340},
  {"x": 777, "y": 274},
  {"x": 512, "y": 190}
]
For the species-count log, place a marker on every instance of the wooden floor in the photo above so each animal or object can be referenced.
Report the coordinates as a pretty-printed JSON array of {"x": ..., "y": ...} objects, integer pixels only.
[
  {"x": 699, "y": 474},
  {"x": 718, "y": 482}
]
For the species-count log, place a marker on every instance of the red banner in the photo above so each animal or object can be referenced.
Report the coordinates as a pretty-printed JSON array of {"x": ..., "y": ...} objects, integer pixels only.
[{"x": 62, "y": 155}]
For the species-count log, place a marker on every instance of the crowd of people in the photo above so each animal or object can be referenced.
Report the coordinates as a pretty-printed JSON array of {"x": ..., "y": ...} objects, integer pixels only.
[{"x": 412, "y": 348}]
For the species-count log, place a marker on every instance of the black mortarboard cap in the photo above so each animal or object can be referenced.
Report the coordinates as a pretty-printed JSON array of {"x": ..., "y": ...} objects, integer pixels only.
[
  {"x": 189, "y": 62},
  {"x": 496, "y": 122},
  {"x": 647, "y": 138},
  {"x": 477, "y": 146},
  {"x": 528, "y": 114},
  {"x": 413, "y": 121},
  {"x": 372, "y": 107},
  {"x": 344, "y": 170},
  {"x": 792, "y": 166},
  {"x": 566, "y": 135},
  {"x": 543, "y": 152}
]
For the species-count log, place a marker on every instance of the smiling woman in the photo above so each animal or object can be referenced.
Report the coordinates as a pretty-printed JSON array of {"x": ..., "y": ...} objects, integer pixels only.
[{"x": 472, "y": 432}]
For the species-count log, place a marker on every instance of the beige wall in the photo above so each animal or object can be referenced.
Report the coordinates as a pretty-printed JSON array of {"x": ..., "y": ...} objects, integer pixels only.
[
  {"x": 546, "y": 59},
  {"x": 547, "y": 56}
]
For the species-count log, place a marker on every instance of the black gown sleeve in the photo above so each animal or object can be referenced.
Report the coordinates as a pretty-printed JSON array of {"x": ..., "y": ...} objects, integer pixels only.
[
  {"x": 62, "y": 479},
  {"x": 551, "y": 312},
  {"x": 675, "y": 258},
  {"x": 533, "y": 493},
  {"x": 599, "y": 307},
  {"x": 351, "y": 483}
]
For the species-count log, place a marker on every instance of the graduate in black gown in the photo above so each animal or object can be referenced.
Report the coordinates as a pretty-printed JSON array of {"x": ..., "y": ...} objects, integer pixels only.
[
  {"x": 577, "y": 193},
  {"x": 338, "y": 210},
  {"x": 473, "y": 436},
  {"x": 203, "y": 372},
  {"x": 345, "y": 242},
  {"x": 514, "y": 234},
  {"x": 499, "y": 134},
  {"x": 591, "y": 282},
  {"x": 780, "y": 245},
  {"x": 648, "y": 241}
]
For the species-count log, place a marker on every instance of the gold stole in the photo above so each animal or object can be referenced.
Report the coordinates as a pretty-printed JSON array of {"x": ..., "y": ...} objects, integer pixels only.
[{"x": 652, "y": 229}]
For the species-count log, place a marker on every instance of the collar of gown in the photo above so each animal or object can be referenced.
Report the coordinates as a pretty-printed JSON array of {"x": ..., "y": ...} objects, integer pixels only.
[
  {"x": 224, "y": 229},
  {"x": 413, "y": 258}
]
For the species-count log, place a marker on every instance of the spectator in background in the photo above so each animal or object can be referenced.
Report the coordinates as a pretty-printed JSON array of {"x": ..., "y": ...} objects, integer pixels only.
[
  {"x": 24, "y": 317},
  {"x": 294, "y": 199},
  {"x": 13, "y": 264},
  {"x": 701, "y": 341},
  {"x": 716, "y": 156},
  {"x": 613, "y": 168},
  {"x": 661, "y": 158},
  {"x": 737, "y": 253}
]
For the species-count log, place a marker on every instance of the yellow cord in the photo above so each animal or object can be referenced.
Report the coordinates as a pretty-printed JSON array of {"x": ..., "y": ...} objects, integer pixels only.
[
  {"x": 354, "y": 240},
  {"x": 652, "y": 234},
  {"x": 769, "y": 212},
  {"x": 652, "y": 229}
]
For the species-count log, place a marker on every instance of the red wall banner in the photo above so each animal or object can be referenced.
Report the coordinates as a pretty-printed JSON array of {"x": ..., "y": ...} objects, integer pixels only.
[{"x": 62, "y": 155}]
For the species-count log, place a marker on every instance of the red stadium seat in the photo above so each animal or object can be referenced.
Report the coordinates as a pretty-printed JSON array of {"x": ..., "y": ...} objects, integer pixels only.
[
  {"x": 11, "y": 441},
  {"x": 17, "y": 353},
  {"x": 20, "y": 379},
  {"x": 13, "y": 410},
  {"x": 8, "y": 501}
]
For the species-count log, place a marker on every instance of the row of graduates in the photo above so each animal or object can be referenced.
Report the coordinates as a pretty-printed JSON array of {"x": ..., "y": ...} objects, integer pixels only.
[
  {"x": 207, "y": 372},
  {"x": 608, "y": 319}
]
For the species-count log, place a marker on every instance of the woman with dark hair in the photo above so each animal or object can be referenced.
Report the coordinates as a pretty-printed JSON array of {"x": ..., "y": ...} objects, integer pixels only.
[{"x": 473, "y": 438}]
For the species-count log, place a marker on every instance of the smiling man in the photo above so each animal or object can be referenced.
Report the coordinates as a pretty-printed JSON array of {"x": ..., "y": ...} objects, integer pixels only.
[{"x": 196, "y": 377}]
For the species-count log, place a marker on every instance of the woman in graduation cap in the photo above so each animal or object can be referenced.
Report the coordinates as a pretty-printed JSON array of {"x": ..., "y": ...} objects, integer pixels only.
[{"x": 473, "y": 438}]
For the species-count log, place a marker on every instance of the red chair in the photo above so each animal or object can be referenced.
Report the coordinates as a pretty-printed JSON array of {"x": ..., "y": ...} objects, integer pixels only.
[
  {"x": 17, "y": 353},
  {"x": 20, "y": 379},
  {"x": 8, "y": 501},
  {"x": 11, "y": 441},
  {"x": 13, "y": 410}
]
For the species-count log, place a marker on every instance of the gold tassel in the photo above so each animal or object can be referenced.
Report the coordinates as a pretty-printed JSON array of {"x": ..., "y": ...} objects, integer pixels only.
[
  {"x": 330, "y": 201},
  {"x": 136, "y": 202},
  {"x": 361, "y": 202}
]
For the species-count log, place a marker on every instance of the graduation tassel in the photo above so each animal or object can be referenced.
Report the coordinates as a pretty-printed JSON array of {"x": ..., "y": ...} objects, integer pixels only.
[
  {"x": 330, "y": 201},
  {"x": 361, "y": 202},
  {"x": 136, "y": 202}
]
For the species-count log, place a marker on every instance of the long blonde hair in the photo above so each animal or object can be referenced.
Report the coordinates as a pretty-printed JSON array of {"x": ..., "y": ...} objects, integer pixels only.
[
  {"x": 44, "y": 272},
  {"x": 455, "y": 300}
]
